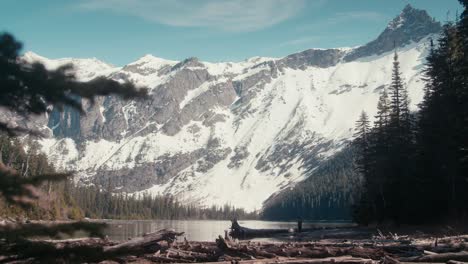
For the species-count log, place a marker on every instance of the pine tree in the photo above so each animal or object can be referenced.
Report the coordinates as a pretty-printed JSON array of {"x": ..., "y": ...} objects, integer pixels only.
[
  {"x": 440, "y": 127},
  {"x": 362, "y": 136},
  {"x": 364, "y": 212},
  {"x": 463, "y": 78},
  {"x": 428, "y": 138},
  {"x": 395, "y": 177},
  {"x": 383, "y": 111},
  {"x": 396, "y": 93},
  {"x": 447, "y": 96},
  {"x": 387, "y": 153},
  {"x": 380, "y": 144}
]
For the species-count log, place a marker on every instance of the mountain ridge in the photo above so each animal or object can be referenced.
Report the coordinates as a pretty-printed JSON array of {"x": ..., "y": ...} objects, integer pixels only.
[{"x": 216, "y": 133}]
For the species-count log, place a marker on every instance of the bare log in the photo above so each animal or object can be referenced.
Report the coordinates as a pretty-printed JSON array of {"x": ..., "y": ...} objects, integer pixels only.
[
  {"x": 455, "y": 262},
  {"x": 238, "y": 231},
  {"x": 145, "y": 244},
  {"x": 162, "y": 259},
  {"x": 444, "y": 257},
  {"x": 341, "y": 260}
]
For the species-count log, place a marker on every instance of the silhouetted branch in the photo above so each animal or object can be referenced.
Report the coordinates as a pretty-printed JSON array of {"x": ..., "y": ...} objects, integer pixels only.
[
  {"x": 32, "y": 88},
  {"x": 20, "y": 190},
  {"x": 21, "y": 231}
]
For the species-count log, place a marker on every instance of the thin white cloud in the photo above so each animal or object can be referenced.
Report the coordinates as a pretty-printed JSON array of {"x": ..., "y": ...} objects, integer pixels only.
[
  {"x": 342, "y": 17},
  {"x": 228, "y": 15}
]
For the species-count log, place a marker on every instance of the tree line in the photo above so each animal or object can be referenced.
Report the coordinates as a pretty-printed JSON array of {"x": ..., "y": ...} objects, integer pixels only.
[
  {"x": 53, "y": 201},
  {"x": 415, "y": 165},
  {"x": 103, "y": 204},
  {"x": 68, "y": 200}
]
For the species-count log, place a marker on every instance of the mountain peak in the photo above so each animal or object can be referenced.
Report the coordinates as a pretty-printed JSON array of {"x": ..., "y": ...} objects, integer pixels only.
[
  {"x": 411, "y": 25},
  {"x": 408, "y": 8},
  {"x": 147, "y": 64},
  {"x": 189, "y": 62},
  {"x": 411, "y": 18},
  {"x": 31, "y": 57},
  {"x": 149, "y": 58}
]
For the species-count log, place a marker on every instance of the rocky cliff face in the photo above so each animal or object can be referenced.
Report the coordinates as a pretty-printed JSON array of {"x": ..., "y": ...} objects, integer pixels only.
[
  {"x": 411, "y": 25},
  {"x": 215, "y": 133}
]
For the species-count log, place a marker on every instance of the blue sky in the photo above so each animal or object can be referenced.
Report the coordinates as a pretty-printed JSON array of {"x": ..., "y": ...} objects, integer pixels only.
[{"x": 121, "y": 31}]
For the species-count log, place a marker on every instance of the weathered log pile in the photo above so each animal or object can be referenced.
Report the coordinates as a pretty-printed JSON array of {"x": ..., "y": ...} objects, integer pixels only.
[
  {"x": 92, "y": 250},
  {"x": 161, "y": 247}
]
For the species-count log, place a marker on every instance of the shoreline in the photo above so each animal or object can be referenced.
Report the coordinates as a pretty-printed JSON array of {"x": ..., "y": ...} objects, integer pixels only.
[{"x": 328, "y": 245}]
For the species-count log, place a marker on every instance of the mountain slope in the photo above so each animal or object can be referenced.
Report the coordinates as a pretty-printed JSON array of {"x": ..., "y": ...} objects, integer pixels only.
[{"x": 215, "y": 133}]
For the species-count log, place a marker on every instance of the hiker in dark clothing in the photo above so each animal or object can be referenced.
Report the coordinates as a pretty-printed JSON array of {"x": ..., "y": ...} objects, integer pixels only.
[{"x": 299, "y": 225}]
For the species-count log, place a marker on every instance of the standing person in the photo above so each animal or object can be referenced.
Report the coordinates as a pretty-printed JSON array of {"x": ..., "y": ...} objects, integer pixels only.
[{"x": 299, "y": 225}]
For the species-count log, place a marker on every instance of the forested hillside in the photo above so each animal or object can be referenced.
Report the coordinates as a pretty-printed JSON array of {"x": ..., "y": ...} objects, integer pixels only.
[
  {"x": 54, "y": 201},
  {"x": 328, "y": 194}
]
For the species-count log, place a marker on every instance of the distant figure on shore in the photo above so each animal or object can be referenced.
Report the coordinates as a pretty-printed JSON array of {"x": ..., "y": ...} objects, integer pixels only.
[{"x": 299, "y": 225}]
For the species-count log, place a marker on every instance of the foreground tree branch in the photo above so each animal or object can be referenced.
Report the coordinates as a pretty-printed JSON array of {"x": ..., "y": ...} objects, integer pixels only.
[{"x": 31, "y": 89}]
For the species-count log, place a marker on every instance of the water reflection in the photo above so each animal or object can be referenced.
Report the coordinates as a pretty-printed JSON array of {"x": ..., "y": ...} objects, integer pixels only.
[{"x": 197, "y": 230}]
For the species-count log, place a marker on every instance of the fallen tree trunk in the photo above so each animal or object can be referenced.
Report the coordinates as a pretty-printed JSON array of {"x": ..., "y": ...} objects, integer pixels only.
[
  {"x": 443, "y": 257},
  {"x": 301, "y": 250},
  {"x": 85, "y": 249},
  {"x": 240, "y": 232},
  {"x": 341, "y": 260},
  {"x": 147, "y": 243}
]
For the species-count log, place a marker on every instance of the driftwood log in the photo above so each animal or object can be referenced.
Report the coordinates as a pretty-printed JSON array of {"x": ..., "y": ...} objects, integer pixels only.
[
  {"x": 438, "y": 258},
  {"x": 83, "y": 250},
  {"x": 238, "y": 231},
  {"x": 147, "y": 243}
]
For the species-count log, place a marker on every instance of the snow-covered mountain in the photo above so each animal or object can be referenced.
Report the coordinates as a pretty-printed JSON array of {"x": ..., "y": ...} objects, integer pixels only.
[{"x": 231, "y": 132}]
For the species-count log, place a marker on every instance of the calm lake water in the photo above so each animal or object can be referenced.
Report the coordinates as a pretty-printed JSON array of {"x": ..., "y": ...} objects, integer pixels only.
[{"x": 198, "y": 230}]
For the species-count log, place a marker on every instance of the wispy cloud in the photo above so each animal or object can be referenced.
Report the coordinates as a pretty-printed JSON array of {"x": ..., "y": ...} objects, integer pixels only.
[
  {"x": 341, "y": 18},
  {"x": 228, "y": 15}
]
